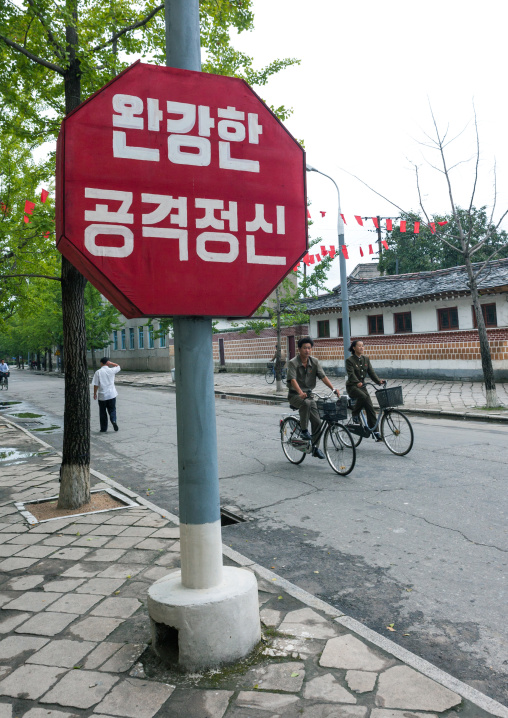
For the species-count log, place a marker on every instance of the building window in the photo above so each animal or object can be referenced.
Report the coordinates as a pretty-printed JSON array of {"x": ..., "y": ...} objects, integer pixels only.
[
  {"x": 448, "y": 319},
  {"x": 141, "y": 338},
  {"x": 402, "y": 321},
  {"x": 376, "y": 325},
  {"x": 131, "y": 338},
  {"x": 339, "y": 328},
  {"x": 489, "y": 312},
  {"x": 123, "y": 338},
  {"x": 115, "y": 340},
  {"x": 150, "y": 337},
  {"x": 323, "y": 329},
  {"x": 162, "y": 341}
]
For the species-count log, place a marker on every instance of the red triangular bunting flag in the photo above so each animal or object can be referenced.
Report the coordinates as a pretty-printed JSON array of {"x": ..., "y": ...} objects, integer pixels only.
[
  {"x": 306, "y": 259},
  {"x": 442, "y": 224},
  {"x": 25, "y": 219},
  {"x": 403, "y": 226},
  {"x": 29, "y": 206},
  {"x": 318, "y": 258},
  {"x": 433, "y": 227},
  {"x": 359, "y": 220},
  {"x": 323, "y": 250},
  {"x": 371, "y": 251},
  {"x": 322, "y": 213},
  {"x": 44, "y": 195},
  {"x": 47, "y": 235},
  {"x": 361, "y": 252},
  {"x": 376, "y": 223},
  {"x": 311, "y": 258},
  {"x": 295, "y": 269},
  {"x": 343, "y": 219},
  {"x": 417, "y": 228},
  {"x": 384, "y": 243},
  {"x": 344, "y": 251},
  {"x": 389, "y": 225},
  {"x": 331, "y": 251},
  {"x": 308, "y": 215}
]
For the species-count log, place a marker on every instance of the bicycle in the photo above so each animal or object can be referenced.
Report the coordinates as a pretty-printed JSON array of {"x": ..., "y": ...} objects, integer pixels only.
[
  {"x": 338, "y": 444},
  {"x": 394, "y": 426},
  {"x": 4, "y": 382},
  {"x": 270, "y": 374}
]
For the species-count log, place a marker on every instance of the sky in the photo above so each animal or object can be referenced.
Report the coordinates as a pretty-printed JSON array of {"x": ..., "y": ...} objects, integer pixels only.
[{"x": 361, "y": 95}]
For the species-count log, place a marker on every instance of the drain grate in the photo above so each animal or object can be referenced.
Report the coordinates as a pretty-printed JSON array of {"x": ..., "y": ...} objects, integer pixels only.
[{"x": 228, "y": 517}]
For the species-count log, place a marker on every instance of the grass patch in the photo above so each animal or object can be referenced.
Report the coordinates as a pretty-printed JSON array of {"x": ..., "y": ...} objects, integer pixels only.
[{"x": 27, "y": 415}]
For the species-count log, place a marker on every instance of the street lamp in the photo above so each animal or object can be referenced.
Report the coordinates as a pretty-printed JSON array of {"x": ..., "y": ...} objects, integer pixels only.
[{"x": 346, "y": 336}]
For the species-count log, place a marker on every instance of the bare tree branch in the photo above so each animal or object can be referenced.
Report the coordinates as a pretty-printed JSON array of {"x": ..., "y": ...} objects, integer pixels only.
[
  {"x": 134, "y": 26},
  {"x": 43, "y": 276},
  {"x": 485, "y": 264},
  {"x": 477, "y": 160},
  {"x": 31, "y": 56},
  {"x": 59, "y": 51}
]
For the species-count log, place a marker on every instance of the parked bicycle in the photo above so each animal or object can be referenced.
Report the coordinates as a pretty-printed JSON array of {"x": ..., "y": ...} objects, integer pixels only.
[
  {"x": 338, "y": 444},
  {"x": 394, "y": 426},
  {"x": 270, "y": 374}
]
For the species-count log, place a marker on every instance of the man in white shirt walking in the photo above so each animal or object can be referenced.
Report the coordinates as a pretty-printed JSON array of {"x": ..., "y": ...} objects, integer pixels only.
[{"x": 104, "y": 386}]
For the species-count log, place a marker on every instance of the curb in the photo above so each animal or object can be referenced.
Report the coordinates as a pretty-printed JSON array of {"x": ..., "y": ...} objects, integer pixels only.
[{"x": 411, "y": 659}]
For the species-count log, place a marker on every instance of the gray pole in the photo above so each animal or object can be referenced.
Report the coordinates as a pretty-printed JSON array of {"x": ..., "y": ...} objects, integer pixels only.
[
  {"x": 198, "y": 473},
  {"x": 346, "y": 335}
]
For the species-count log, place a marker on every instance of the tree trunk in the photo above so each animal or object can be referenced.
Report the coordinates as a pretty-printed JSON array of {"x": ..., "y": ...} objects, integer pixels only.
[
  {"x": 60, "y": 349},
  {"x": 278, "y": 363},
  {"x": 75, "y": 468},
  {"x": 38, "y": 360},
  {"x": 487, "y": 368},
  {"x": 94, "y": 360},
  {"x": 50, "y": 360}
]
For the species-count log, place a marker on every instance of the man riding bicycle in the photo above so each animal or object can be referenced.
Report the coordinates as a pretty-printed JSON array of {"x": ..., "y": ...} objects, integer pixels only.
[
  {"x": 4, "y": 371},
  {"x": 301, "y": 380}
]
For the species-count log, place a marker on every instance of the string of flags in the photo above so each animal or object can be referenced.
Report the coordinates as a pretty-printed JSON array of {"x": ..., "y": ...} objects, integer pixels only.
[
  {"x": 389, "y": 223},
  {"x": 30, "y": 206},
  {"x": 309, "y": 259}
]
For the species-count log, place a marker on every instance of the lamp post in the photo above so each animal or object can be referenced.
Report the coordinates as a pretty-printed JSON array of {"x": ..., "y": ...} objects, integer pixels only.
[{"x": 346, "y": 335}]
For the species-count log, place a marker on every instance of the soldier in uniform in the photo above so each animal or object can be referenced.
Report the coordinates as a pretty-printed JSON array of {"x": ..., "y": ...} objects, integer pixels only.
[
  {"x": 303, "y": 371},
  {"x": 358, "y": 366}
]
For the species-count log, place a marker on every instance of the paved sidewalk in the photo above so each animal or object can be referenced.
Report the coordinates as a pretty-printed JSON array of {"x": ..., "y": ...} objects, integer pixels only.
[
  {"x": 74, "y": 629},
  {"x": 445, "y": 397}
]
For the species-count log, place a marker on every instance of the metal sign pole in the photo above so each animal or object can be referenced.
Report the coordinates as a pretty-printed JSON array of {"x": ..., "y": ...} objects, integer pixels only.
[{"x": 212, "y": 610}]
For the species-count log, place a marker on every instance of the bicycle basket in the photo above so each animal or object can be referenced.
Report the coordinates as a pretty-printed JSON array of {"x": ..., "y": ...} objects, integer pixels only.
[
  {"x": 332, "y": 410},
  {"x": 269, "y": 365},
  {"x": 389, "y": 397}
]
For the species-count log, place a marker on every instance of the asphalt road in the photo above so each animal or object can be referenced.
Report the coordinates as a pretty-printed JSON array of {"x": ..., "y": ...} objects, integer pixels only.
[{"x": 418, "y": 544}]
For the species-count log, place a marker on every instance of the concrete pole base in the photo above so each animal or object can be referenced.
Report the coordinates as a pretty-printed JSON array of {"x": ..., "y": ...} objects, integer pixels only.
[{"x": 196, "y": 629}]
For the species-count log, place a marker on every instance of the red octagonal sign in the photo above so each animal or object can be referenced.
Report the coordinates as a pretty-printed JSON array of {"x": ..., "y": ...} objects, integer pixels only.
[{"x": 180, "y": 192}]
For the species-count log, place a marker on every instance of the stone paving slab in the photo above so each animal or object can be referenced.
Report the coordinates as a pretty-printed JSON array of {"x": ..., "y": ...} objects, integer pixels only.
[{"x": 74, "y": 637}]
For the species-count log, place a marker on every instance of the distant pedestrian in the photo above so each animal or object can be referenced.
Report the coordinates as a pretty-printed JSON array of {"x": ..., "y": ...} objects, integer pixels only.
[{"x": 104, "y": 386}]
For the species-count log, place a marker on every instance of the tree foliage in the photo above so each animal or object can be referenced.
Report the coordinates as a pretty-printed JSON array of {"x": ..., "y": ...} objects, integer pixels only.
[{"x": 425, "y": 251}]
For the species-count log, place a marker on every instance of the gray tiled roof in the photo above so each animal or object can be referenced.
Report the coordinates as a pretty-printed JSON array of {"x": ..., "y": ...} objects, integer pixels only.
[{"x": 408, "y": 288}]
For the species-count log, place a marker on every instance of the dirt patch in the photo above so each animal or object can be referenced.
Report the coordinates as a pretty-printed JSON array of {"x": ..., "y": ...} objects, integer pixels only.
[{"x": 100, "y": 501}]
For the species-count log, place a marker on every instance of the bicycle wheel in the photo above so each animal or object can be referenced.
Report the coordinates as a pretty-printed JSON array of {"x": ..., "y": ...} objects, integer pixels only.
[
  {"x": 349, "y": 435},
  {"x": 290, "y": 428},
  {"x": 270, "y": 376},
  {"x": 341, "y": 455},
  {"x": 397, "y": 432}
]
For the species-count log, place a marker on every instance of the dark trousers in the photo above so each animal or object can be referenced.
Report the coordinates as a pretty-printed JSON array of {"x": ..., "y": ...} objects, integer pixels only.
[
  {"x": 107, "y": 406},
  {"x": 308, "y": 410},
  {"x": 363, "y": 401}
]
